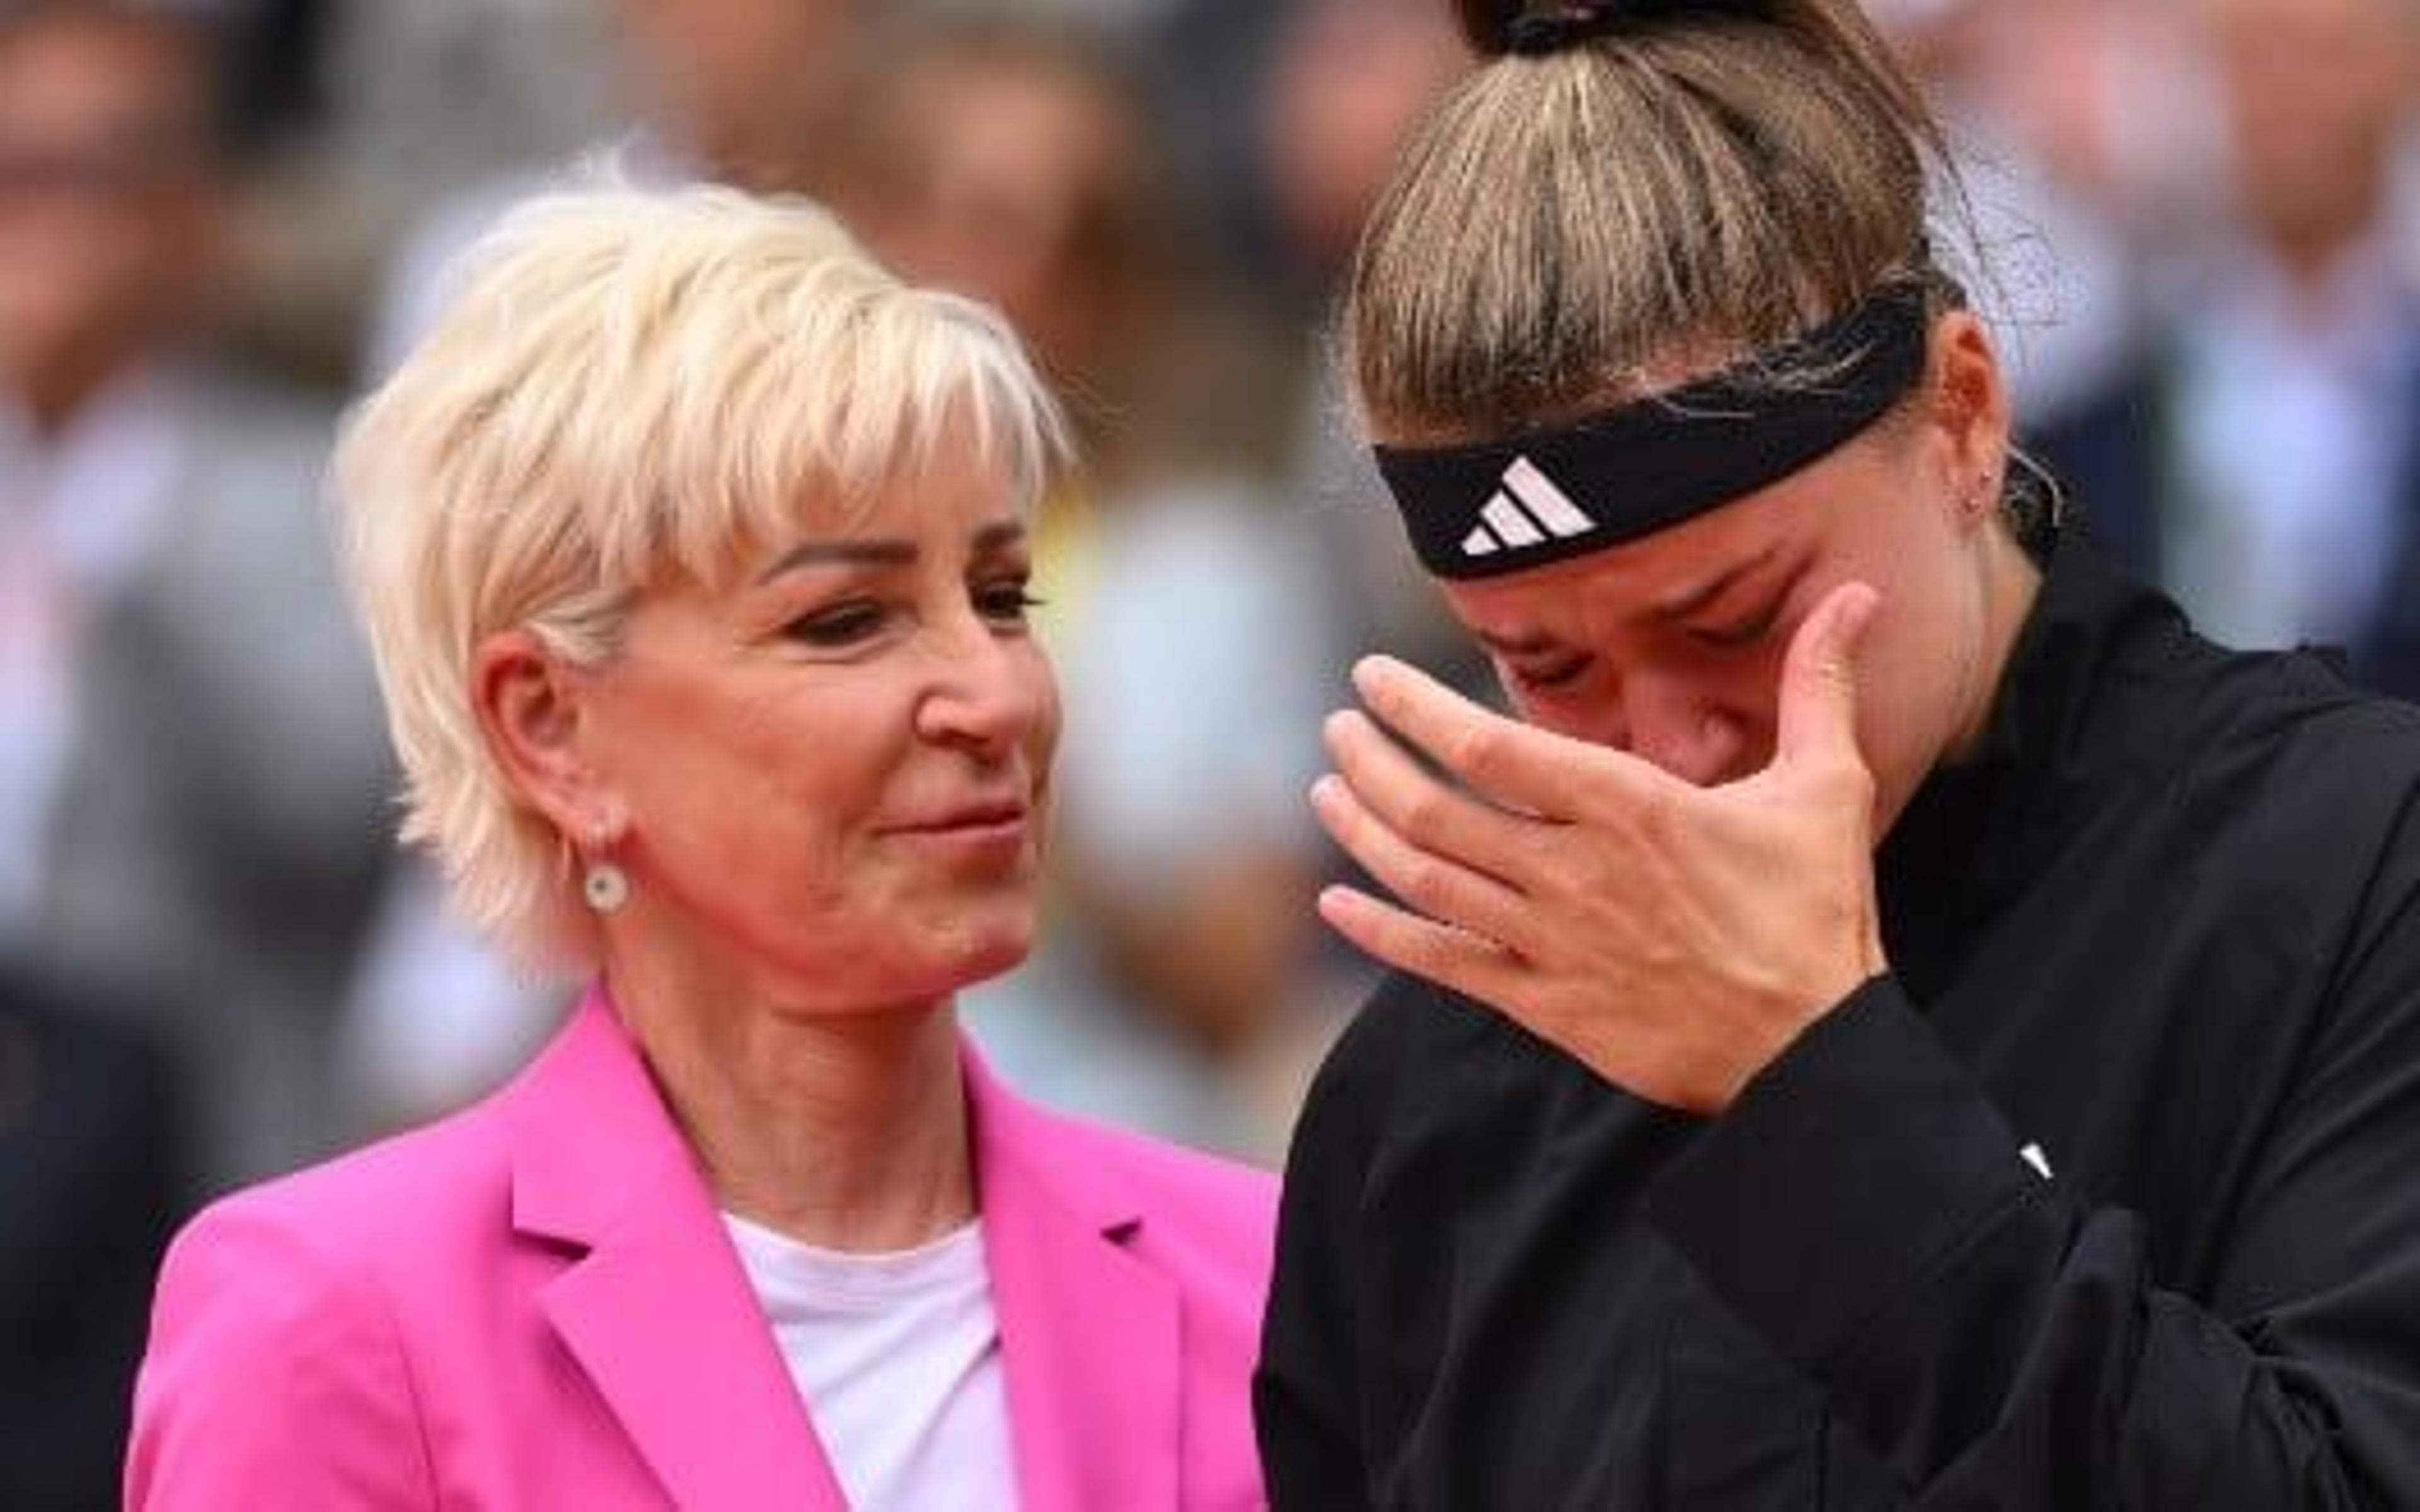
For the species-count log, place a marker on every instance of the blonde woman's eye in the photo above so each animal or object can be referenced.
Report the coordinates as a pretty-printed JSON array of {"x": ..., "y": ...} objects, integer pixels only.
[
  {"x": 1008, "y": 602},
  {"x": 838, "y": 625}
]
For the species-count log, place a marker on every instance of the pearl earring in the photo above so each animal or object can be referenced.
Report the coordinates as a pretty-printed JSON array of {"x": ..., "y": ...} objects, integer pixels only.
[{"x": 607, "y": 886}]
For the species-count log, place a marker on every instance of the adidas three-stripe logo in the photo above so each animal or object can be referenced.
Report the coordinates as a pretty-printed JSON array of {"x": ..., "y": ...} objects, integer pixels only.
[{"x": 1526, "y": 509}]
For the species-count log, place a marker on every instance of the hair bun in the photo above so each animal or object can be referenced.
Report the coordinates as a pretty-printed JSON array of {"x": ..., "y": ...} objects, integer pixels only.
[
  {"x": 1496, "y": 27},
  {"x": 1488, "y": 24},
  {"x": 1534, "y": 30}
]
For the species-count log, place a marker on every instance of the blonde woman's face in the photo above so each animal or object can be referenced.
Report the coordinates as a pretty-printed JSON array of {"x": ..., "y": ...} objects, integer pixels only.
[{"x": 835, "y": 771}]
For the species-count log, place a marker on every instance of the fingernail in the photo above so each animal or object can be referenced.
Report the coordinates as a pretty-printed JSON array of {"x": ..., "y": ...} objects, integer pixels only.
[{"x": 1370, "y": 673}]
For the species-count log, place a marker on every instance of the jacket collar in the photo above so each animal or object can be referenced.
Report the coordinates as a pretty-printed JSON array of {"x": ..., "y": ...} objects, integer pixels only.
[
  {"x": 655, "y": 1302},
  {"x": 2056, "y": 744},
  {"x": 1088, "y": 1330},
  {"x": 655, "y": 1305}
]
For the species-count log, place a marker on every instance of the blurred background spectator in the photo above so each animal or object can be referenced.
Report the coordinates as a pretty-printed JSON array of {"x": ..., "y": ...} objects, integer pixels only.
[
  {"x": 1016, "y": 160},
  {"x": 1322, "y": 154},
  {"x": 93, "y": 1173},
  {"x": 2199, "y": 235},
  {"x": 2258, "y": 453},
  {"x": 191, "y": 765}
]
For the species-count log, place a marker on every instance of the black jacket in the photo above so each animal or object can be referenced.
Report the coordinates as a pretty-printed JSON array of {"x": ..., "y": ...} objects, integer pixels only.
[{"x": 2162, "y": 937}]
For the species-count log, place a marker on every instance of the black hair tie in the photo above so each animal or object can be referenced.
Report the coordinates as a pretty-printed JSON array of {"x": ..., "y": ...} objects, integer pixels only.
[{"x": 1540, "y": 33}]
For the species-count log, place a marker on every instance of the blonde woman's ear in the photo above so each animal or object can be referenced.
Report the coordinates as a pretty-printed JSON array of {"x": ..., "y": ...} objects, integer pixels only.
[{"x": 529, "y": 709}]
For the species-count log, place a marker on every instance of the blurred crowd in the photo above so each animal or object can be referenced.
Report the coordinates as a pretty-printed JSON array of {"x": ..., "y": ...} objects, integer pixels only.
[{"x": 2197, "y": 223}]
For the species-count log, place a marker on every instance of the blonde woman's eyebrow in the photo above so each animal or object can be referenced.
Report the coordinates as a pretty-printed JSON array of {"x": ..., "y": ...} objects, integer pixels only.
[
  {"x": 994, "y": 536},
  {"x": 840, "y": 553},
  {"x": 999, "y": 535}
]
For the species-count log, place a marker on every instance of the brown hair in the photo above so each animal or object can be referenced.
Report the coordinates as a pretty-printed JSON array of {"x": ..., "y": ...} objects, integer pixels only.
[{"x": 1685, "y": 180}]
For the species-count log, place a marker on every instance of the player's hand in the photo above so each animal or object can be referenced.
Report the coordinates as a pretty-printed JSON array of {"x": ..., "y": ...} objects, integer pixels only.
[{"x": 1674, "y": 938}]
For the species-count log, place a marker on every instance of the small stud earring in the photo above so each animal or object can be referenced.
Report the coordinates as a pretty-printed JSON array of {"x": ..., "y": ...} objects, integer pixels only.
[{"x": 607, "y": 886}]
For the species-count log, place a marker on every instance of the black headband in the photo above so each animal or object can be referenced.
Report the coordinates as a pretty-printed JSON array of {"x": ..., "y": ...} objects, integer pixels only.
[{"x": 1503, "y": 506}]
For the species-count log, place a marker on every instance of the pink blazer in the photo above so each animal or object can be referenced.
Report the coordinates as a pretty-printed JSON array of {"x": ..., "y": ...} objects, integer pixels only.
[{"x": 534, "y": 1304}]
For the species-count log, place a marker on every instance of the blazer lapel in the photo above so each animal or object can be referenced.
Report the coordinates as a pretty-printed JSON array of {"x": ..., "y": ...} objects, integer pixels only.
[
  {"x": 1089, "y": 1331},
  {"x": 657, "y": 1310}
]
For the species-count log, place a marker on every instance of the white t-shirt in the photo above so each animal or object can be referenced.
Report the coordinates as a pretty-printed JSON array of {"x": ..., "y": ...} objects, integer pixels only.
[{"x": 897, "y": 1357}]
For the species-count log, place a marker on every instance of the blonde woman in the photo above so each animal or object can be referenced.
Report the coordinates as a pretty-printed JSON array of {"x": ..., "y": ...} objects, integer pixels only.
[
  {"x": 1899, "y": 1020},
  {"x": 692, "y": 549}
]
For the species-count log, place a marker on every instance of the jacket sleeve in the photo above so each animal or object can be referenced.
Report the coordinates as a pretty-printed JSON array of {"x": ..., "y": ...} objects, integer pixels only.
[
  {"x": 1307, "y": 1410},
  {"x": 2002, "y": 1343},
  {"x": 272, "y": 1380}
]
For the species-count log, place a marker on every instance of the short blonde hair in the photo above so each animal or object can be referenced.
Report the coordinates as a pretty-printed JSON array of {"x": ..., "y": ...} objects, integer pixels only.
[{"x": 630, "y": 384}]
